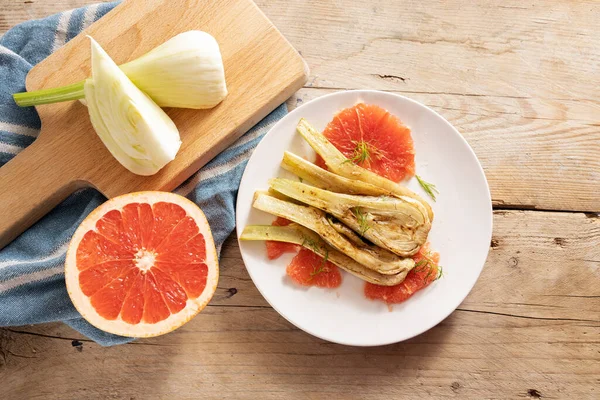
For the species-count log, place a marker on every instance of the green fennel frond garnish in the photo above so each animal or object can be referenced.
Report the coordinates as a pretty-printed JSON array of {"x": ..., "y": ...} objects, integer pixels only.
[
  {"x": 316, "y": 271},
  {"x": 361, "y": 153},
  {"x": 318, "y": 249},
  {"x": 440, "y": 272},
  {"x": 429, "y": 188},
  {"x": 362, "y": 219},
  {"x": 421, "y": 265}
]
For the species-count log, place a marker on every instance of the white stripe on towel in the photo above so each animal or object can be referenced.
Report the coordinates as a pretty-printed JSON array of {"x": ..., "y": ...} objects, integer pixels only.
[
  {"x": 34, "y": 276},
  {"x": 60, "y": 38},
  {"x": 89, "y": 16},
  {"x": 4, "y": 50},
  {"x": 59, "y": 252},
  {"x": 29, "y": 278},
  {"x": 18, "y": 129},
  {"x": 9, "y": 148}
]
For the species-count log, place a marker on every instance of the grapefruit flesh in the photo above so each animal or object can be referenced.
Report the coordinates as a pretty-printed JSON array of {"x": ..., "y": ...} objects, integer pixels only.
[
  {"x": 374, "y": 139},
  {"x": 310, "y": 269},
  {"x": 276, "y": 249},
  {"x": 142, "y": 264},
  {"x": 426, "y": 270}
]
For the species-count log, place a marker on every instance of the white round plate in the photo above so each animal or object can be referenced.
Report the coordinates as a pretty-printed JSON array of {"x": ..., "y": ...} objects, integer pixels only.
[{"x": 461, "y": 230}]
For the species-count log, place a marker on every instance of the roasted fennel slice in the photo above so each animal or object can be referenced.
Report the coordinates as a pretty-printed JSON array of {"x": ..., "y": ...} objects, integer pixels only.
[
  {"x": 339, "y": 164},
  {"x": 372, "y": 257},
  {"x": 324, "y": 179},
  {"x": 297, "y": 234},
  {"x": 396, "y": 224}
]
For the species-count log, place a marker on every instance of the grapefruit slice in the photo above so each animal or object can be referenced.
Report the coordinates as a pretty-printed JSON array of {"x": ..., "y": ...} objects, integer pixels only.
[
  {"x": 374, "y": 139},
  {"x": 276, "y": 249},
  {"x": 310, "y": 269},
  {"x": 426, "y": 270},
  {"x": 142, "y": 264}
]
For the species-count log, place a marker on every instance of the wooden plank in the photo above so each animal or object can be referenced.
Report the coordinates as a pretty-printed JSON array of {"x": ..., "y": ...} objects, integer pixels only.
[
  {"x": 531, "y": 325},
  {"x": 518, "y": 80}
]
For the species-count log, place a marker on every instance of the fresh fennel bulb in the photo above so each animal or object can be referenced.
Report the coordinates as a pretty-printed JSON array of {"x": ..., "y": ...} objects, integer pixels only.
[
  {"x": 137, "y": 132},
  {"x": 186, "y": 72}
]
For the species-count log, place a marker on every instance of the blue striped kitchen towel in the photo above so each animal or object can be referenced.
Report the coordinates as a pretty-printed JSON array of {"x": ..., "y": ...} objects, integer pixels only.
[{"x": 32, "y": 286}]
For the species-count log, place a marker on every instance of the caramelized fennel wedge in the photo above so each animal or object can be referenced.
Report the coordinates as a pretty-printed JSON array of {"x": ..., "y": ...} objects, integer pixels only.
[
  {"x": 372, "y": 257},
  {"x": 339, "y": 164},
  {"x": 297, "y": 234},
  {"x": 324, "y": 179},
  {"x": 398, "y": 224}
]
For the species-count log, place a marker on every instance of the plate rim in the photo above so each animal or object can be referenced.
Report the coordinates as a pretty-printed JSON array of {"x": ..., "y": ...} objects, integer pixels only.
[{"x": 480, "y": 169}]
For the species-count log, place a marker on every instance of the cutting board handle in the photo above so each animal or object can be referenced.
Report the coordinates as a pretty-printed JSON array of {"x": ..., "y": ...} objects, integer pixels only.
[{"x": 31, "y": 184}]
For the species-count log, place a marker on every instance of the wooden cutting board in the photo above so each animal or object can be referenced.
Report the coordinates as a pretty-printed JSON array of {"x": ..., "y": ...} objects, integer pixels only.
[{"x": 261, "y": 69}]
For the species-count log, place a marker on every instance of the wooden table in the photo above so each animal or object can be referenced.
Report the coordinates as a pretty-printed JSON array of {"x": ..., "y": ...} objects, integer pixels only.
[{"x": 520, "y": 80}]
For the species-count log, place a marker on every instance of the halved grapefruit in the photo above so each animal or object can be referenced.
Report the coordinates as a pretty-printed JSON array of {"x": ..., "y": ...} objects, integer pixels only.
[
  {"x": 142, "y": 264},
  {"x": 374, "y": 139}
]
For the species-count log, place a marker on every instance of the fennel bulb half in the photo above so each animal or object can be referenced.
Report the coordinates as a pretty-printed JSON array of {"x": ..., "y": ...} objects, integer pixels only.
[
  {"x": 137, "y": 132},
  {"x": 185, "y": 72}
]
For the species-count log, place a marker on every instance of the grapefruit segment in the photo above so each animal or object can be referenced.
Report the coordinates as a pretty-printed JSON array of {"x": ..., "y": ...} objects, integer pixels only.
[
  {"x": 426, "y": 270},
  {"x": 166, "y": 217},
  {"x": 185, "y": 229},
  {"x": 96, "y": 249},
  {"x": 108, "y": 301},
  {"x": 276, "y": 249},
  {"x": 133, "y": 305},
  {"x": 374, "y": 139},
  {"x": 310, "y": 269},
  {"x": 155, "y": 308},
  {"x": 142, "y": 264},
  {"x": 173, "y": 294},
  {"x": 131, "y": 234},
  {"x": 97, "y": 276},
  {"x": 146, "y": 224}
]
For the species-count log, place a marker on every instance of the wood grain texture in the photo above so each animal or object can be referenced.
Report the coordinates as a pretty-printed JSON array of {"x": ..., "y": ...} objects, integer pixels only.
[
  {"x": 518, "y": 79},
  {"x": 507, "y": 339},
  {"x": 261, "y": 69}
]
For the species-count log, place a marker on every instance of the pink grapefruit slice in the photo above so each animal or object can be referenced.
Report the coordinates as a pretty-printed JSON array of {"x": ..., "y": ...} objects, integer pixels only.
[
  {"x": 374, "y": 139},
  {"x": 426, "y": 270},
  {"x": 277, "y": 249},
  {"x": 142, "y": 264},
  {"x": 310, "y": 269}
]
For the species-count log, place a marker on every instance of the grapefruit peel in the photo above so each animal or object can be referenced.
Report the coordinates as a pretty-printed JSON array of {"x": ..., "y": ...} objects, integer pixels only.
[{"x": 117, "y": 326}]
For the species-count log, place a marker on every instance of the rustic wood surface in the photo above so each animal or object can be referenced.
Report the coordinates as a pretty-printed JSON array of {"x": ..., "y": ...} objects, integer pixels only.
[{"x": 519, "y": 79}]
